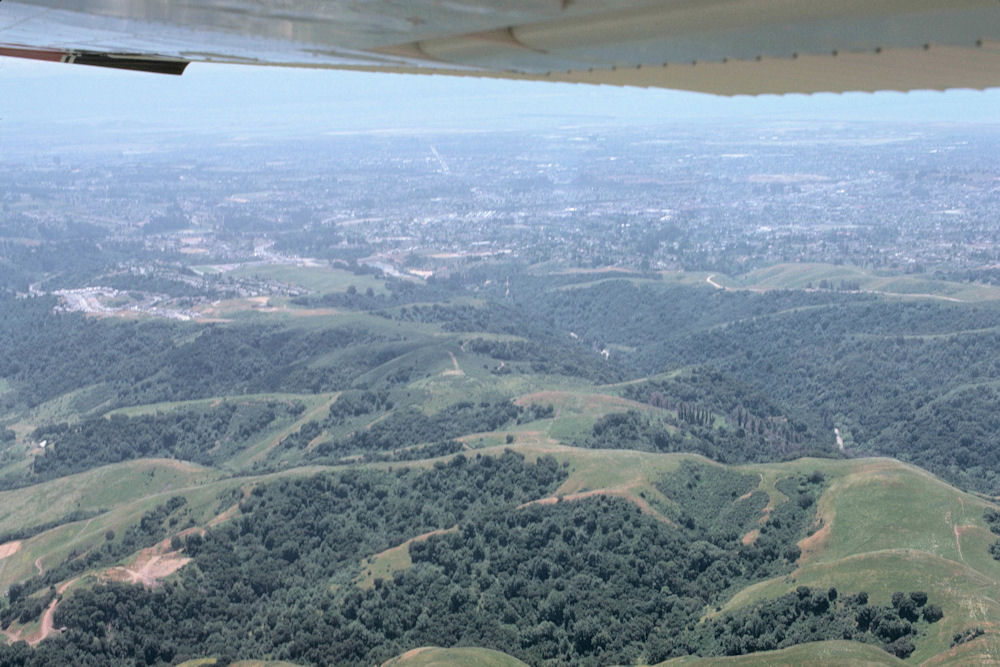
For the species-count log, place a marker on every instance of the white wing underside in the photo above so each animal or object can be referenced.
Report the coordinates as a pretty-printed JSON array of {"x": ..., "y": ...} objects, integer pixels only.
[{"x": 718, "y": 46}]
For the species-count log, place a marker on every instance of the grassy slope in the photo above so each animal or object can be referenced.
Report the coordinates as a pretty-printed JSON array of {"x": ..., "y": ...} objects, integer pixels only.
[
  {"x": 828, "y": 654},
  {"x": 453, "y": 657},
  {"x": 887, "y": 527},
  {"x": 798, "y": 276},
  {"x": 123, "y": 492}
]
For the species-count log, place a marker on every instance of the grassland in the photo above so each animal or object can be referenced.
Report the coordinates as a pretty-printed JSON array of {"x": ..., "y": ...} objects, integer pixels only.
[
  {"x": 200, "y": 403},
  {"x": 453, "y": 657},
  {"x": 804, "y": 276},
  {"x": 828, "y": 654},
  {"x": 887, "y": 526}
]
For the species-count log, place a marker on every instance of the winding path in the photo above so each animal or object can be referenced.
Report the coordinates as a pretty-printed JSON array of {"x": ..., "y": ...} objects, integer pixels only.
[{"x": 46, "y": 628}]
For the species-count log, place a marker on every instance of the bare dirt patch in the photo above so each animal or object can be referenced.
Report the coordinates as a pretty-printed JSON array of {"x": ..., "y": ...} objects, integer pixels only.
[
  {"x": 10, "y": 548},
  {"x": 413, "y": 652},
  {"x": 958, "y": 543},
  {"x": 746, "y": 496},
  {"x": 816, "y": 542},
  {"x": 750, "y": 537},
  {"x": 625, "y": 491},
  {"x": 230, "y": 512},
  {"x": 150, "y": 566}
]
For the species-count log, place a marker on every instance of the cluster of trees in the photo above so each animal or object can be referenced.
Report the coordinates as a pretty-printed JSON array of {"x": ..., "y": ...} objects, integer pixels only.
[
  {"x": 203, "y": 435},
  {"x": 721, "y": 506},
  {"x": 411, "y": 426},
  {"x": 992, "y": 518},
  {"x": 956, "y": 435},
  {"x": 705, "y": 390},
  {"x": 966, "y": 636},
  {"x": 416, "y": 453},
  {"x": 807, "y": 615},
  {"x": 843, "y": 285},
  {"x": 694, "y": 430},
  {"x": 45, "y": 354},
  {"x": 400, "y": 293},
  {"x": 357, "y": 402},
  {"x": 545, "y": 354}
]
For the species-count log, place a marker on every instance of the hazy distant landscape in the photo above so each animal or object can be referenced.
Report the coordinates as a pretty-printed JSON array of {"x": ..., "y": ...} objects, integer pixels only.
[{"x": 571, "y": 394}]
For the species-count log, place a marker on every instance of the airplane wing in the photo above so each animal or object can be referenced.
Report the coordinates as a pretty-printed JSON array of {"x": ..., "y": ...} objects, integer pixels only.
[{"x": 725, "y": 47}]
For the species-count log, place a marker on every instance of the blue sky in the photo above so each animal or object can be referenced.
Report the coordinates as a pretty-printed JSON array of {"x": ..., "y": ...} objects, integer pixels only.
[{"x": 237, "y": 99}]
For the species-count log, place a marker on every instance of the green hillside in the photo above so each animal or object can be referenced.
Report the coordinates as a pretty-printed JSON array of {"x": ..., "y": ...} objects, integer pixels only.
[
  {"x": 595, "y": 471},
  {"x": 452, "y": 657}
]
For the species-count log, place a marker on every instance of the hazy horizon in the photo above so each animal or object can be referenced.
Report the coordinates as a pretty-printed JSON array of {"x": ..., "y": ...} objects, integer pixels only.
[{"x": 93, "y": 103}]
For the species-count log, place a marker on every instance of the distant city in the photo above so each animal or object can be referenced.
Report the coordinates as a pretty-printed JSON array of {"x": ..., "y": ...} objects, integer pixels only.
[{"x": 702, "y": 197}]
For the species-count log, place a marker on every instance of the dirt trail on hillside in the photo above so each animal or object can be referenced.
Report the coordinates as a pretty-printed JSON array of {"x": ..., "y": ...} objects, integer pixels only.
[
  {"x": 10, "y": 548},
  {"x": 46, "y": 629},
  {"x": 412, "y": 653},
  {"x": 228, "y": 513},
  {"x": 625, "y": 491},
  {"x": 713, "y": 283},
  {"x": 456, "y": 369}
]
